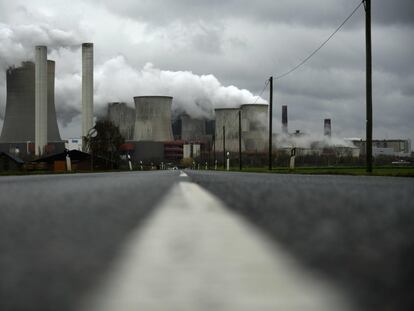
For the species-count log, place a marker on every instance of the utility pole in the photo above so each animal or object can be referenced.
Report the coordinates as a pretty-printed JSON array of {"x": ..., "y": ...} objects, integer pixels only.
[
  {"x": 224, "y": 146},
  {"x": 367, "y": 5},
  {"x": 240, "y": 144},
  {"x": 270, "y": 121}
]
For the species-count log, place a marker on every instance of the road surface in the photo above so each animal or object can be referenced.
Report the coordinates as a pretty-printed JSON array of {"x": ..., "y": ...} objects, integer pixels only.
[{"x": 206, "y": 241}]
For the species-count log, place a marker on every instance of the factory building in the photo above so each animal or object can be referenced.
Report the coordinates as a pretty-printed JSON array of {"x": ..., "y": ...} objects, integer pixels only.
[
  {"x": 192, "y": 129},
  {"x": 255, "y": 128},
  {"x": 387, "y": 147},
  {"x": 19, "y": 128},
  {"x": 227, "y": 129},
  {"x": 123, "y": 117},
  {"x": 153, "y": 118}
]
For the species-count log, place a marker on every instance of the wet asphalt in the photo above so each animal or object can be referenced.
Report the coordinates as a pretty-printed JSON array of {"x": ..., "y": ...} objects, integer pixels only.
[{"x": 60, "y": 233}]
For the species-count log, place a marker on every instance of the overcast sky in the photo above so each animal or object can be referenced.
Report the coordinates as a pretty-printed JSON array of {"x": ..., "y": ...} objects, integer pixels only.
[{"x": 218, "y": 53}]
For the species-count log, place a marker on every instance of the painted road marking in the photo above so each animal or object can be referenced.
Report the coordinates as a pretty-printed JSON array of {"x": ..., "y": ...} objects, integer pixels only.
[
  {"x": 195, "y": 254},
  {"x": 182, "y": 174}
]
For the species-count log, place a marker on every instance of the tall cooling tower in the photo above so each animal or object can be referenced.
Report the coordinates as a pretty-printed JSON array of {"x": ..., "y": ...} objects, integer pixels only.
[
  {"x": 327, "y": 130},
  {"x": 153, "y": 118},
  {"x": 229, "y": 118},
  {"x": 255, "y": 126},
  {"x": 41, "y": 97},
  {"x": 19, "y": 121},
  {"x": 87, "y": 88},
  {"x": 284, "y": 119},
  {"x": 52, "y": 124},
  {"x": 192, "y": 129},
  {"x": 123, "y": 117}
]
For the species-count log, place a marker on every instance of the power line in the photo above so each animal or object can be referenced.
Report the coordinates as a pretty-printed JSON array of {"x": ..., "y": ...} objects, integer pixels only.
[
  {"x": 261, "y": 93},
  {"x": 320, "y": 47}
]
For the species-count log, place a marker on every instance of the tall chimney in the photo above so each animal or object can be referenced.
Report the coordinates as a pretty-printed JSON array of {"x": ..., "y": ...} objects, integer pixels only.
[
  {"x": 327, "y": 131},
  {"x": 87, "y": 88},
  {"x": 284, "y": 120},
  {"x": 41, "y": 74}
]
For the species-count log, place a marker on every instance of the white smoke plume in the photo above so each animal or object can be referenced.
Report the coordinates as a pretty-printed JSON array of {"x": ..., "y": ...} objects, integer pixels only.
[{"x": 196, "y": 95}]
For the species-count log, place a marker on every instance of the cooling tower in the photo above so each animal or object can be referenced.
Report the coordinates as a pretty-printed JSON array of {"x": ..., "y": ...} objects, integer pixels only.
[
  {"x": 153, "y": 118},
  {"x": 41, "y": 97},
  {"x": 284, "y": 119},
  {"x": 327, "y": 127},
  {"x": 52, "y": 124},
  {"x": 87, "y": 88},
  {"x": 192, "y": 129},
  {"x": 229, "y": 118},
  {"x": 19, "y": 121},
  {"x": 123, "y": 117},
  {"x": 255, "y": 126}
]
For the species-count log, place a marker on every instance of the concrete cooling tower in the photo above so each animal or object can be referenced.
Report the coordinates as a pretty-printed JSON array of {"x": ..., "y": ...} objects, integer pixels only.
[
  {"x": 20, "y": 117},
  {"x": 153, "y": 118},
  {"x": 192, "y": 129},
  {"x": 255, "y": 126},
  {"x": 229, "y": 118},
  {"x": 123, "y": 117}
]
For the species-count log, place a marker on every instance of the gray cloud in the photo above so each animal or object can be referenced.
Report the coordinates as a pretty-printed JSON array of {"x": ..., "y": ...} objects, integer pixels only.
[{"x": 240, "y": 42}]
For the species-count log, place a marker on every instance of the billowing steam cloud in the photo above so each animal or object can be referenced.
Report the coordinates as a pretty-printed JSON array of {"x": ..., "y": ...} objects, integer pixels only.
[
  {"x": 17, "y": 42},
  {"x": 196, "y": 95}
]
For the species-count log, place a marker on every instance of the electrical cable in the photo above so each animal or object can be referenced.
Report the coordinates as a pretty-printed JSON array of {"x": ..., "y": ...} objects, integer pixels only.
[{"x": 320, "y": 47}]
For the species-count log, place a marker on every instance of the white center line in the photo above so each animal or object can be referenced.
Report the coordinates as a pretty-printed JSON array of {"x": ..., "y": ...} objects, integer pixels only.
[
  {"x": 195, "y": 254},
  {"x": 182, "y": 174}
]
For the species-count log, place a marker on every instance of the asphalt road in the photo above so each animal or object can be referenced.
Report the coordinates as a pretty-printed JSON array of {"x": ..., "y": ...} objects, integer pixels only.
[
  {"x": 359, "y": 231},
  {"x": 59, "y": 234}
]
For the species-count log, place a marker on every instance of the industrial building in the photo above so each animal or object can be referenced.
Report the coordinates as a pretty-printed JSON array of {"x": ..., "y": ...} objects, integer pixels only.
[
  {"x": 227, "y": 129},
  {"x": 19, "y": 131},
  {"x": 386, "y": 147},
  {"x": 255, "y": 129},
  {"x": 153, "y": 118},
  {"x": 122, "y": 116}
]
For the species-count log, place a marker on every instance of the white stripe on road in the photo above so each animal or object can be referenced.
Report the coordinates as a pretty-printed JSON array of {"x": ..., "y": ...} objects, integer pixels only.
[
  {"x": 194, "y": 254},
  {"x": 182, "y": 174}
]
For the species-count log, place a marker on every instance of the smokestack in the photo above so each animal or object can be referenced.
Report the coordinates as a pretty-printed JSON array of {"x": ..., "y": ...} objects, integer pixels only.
[
  {"x": 327, "y": 131},
  {"x": 87, "y": 88},
  {"x": 41, "y": 74},
  {"x": 284, "y": 120}
]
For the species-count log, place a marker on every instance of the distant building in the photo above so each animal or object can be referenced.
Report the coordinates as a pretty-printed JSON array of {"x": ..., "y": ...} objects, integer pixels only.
[
  {"x": 73, "y": 144},
  {"x": 390, "y": 147}
]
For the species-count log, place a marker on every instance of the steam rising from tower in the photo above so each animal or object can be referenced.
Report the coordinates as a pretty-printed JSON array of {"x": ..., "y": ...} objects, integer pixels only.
[{"x": 87, "y": 88}]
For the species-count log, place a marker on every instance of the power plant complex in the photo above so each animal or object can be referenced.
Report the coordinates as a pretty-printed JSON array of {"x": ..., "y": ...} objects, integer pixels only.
[{"x": 152, "y": 132}]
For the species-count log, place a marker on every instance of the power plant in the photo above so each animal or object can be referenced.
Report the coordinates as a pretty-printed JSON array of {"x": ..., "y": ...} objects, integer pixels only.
[
  {"x": 285, "y": 120},
  {"x": 255, "y": 127},
  {"x": 192, "y": 129},
  {"x": 87, "y": 88},
  {"x": 153, "y": 118},
  {"x": 30, "y": 126},
  {"x": 327, "y": 130},
  {"x": 227, "y": 129},
  {"x": 123, "y": 117},
  {"x": 22, "y": 127}
]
